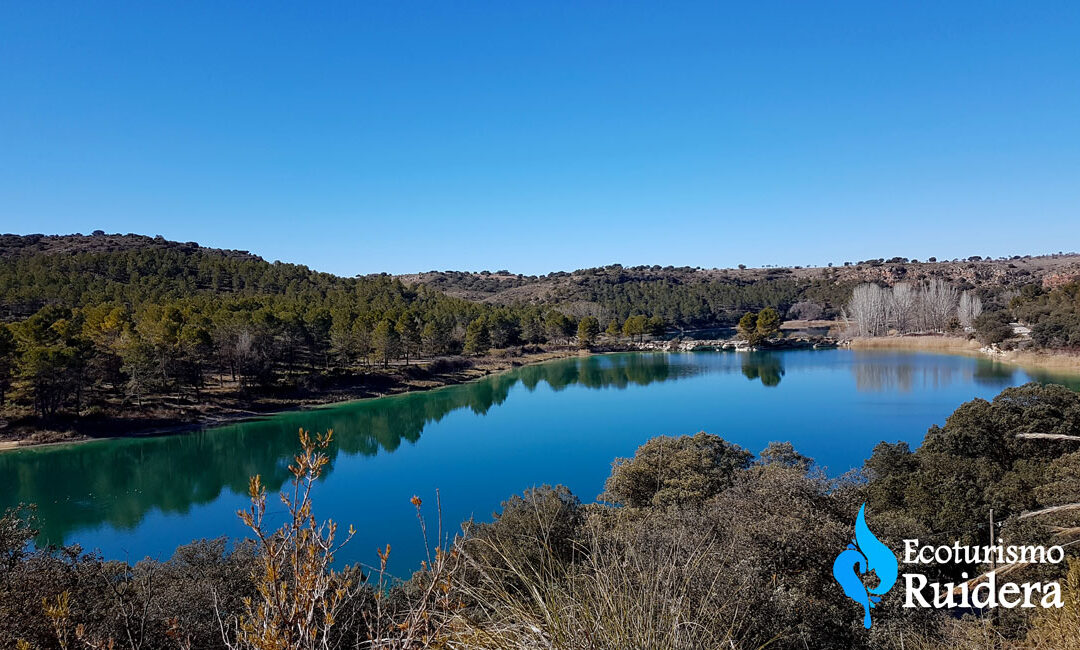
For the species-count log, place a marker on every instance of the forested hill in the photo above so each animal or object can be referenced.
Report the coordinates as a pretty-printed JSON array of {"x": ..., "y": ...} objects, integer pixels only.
[
  {"x": 99, "y": 242},
  {"x": 132, "y": 270},
  {"x": 691, "y": 296},
  {"x": 105, "y": 321}
]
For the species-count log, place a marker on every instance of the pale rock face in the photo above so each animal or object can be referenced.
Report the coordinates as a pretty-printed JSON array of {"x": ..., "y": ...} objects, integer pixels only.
[{"x": 690, "y": 345}]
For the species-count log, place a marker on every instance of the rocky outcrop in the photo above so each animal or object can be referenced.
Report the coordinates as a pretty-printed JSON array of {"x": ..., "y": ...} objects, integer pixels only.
[
  {"x": 699, "y": 345},
  {"x": 1059, "y": 279}
]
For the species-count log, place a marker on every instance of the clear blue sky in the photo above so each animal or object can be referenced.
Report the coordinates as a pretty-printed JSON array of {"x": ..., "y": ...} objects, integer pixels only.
[{"x": 406, "y": 136}]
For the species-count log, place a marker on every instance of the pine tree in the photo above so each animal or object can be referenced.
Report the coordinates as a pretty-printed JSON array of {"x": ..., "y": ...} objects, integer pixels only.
[
  {"x": 477, "y": 337},
  {"x": 385, "y": 341},
  {"x": 587, "y": 331},
  {"x": 768, "y": 323},
  {"x": 748, "y": 326}
]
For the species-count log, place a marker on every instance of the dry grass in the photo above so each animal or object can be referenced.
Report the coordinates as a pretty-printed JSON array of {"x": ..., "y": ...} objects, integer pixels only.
[
  {"x": 1063, "y": 362},
  {"x": 1059, "y": 361},
  {"x": 933, "y": 343},
  {"x": 613, "y": 598}
]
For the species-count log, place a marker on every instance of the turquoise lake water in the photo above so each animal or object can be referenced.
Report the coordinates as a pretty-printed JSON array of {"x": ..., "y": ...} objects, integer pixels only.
[{"x": 478, "y": 443}]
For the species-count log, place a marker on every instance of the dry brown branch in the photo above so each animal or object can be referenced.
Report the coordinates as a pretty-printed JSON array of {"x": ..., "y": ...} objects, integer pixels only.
[
  {"x": 1050, "y": 510},
  {"x": 1048, "y": 436},
  {"x": 299, "y": 595}
]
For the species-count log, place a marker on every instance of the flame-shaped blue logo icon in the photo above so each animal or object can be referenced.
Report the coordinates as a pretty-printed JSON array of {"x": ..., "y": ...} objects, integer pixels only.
[{"x": 866, "y": 554}]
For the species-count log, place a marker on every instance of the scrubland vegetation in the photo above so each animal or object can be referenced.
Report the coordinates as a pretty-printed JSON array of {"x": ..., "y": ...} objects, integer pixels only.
[{"x": 694, "y": 543}]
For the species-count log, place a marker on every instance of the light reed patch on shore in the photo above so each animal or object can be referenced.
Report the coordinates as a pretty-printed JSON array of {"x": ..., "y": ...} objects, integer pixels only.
[{"x": 1043, "y": 360}]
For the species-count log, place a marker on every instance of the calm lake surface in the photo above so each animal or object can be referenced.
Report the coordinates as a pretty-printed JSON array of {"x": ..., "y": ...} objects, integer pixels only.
[{"x": 559, "y": 422}]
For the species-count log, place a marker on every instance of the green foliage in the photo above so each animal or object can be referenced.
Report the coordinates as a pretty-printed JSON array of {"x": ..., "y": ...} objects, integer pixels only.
[
  {"x": 385, "y": 341},
  {"x": 435, "y": 339},
  {"x": 477, "y": 337},
  {"x": 408, "y": 330},
  {"x": 1054, "y": 315},
  {"x": 976, "y": 462},
  {"x": 768, "y": 323},
  {"x": 658, "y": 292},
  {"x": 655, "y": 326},
  {"x": 747, "y": 327},
  {"x": 992, "y": 327},
  {"x": 53, "y": 358},
  {"x": 138, "y": 318},
  {"x": 613, "y": 329},
  {"x": 681, "y": 296},
  {"x": 635, "y": 326},
  {"x": 673, "y": 471},
  {"x": 8, "y": 360},
  {"x": 587, "y": 331},
  {"x": 559, "y": 326}
]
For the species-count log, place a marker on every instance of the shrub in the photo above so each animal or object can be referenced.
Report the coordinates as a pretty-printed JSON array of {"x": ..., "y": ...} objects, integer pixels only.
[
  {"x": 674, "y": 471},
  {"x": 992, "y": 327}
]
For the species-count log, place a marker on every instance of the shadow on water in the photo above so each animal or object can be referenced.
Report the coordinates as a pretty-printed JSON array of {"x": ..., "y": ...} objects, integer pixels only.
[{"x": 119, "y": 481}]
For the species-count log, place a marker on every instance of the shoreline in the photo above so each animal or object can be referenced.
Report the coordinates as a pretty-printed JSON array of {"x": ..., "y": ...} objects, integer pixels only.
[
  {"x": 215, "y": 416},
  {"x": 1046, "y": 361},
  {"x": 475, "y": 369}
]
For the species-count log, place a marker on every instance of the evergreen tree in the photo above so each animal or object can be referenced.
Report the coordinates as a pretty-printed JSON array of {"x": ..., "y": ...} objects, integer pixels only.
[
  {"x": 587, "y": 331},
  {"x": 385, "y": 342},
  {"x": 559, "y": 326},
  {"x": 748, "y": 326},
  {"x": 634, "y": 327},
  {"x": 408, "y": 334},
  {"x": 768, "y": 323},
  {"x": 655, "y": 326},
  {"x": 434, "y": 339},
  {"x": 477, "y": 337},
  {"x": 7, "y": 360}
]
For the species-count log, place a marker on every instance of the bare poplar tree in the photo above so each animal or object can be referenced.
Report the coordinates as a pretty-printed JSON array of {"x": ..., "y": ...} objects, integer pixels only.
[
  {"x": 969, "y": 309},
  {"x": 904, "y": 307},
  {"x": 937, "y": 305},
  {"x": 869, "y": 310},
  {"x": 908, "y": 308}
]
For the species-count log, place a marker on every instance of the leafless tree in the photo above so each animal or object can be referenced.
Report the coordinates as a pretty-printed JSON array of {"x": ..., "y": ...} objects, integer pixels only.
[
  {"x": 904, "y": 308},
  {"x": 937, "y": 303},
  {"x": 869, "y": 310},
  {"x": 969, "y": 309},
  {"x": 805, "y": 310},
  {"x": 875, "y": 310}
]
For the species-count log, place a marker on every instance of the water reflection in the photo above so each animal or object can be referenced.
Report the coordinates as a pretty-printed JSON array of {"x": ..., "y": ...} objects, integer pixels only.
[
  {"x": 765, "y": 366},
  {"x": 547, "y": 432},
  {"x": 118, "y": 482},
  {"x": 876, "y": 372}
]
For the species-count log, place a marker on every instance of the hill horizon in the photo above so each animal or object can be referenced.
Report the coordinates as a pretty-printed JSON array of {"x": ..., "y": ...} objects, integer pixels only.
[{"x": 99, "y": 240}]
